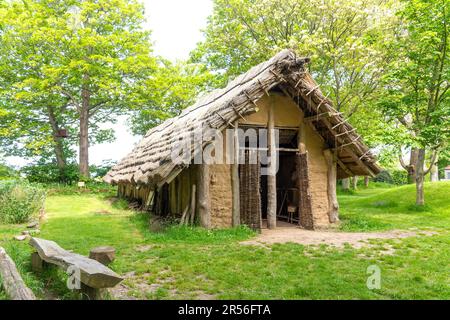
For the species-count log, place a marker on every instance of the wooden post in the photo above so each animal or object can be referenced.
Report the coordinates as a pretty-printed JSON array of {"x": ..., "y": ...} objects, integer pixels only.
[
  {"x": 236, "y": 213},
  {"x": 89, "y": 293},
  {"x": 355, "y": 182},
  {"x": 346, "y": 184},
  {"x": 105, "y": 255},
  {"x": 301, "y": 139},
  {"x": 192, "y": 208},
  {"x": 272, "y": 175},
  {"x": 204, "y": 211},
  {"x": 333, "y": 205},
  {"x": 37, "y": 264},
  {"x": 366, "y": 181}
]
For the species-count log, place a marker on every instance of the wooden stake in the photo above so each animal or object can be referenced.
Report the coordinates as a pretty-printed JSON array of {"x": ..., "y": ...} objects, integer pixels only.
[
  {"x": 192, "y": 209},
  {"x": 333, "y": 205},
  {"x": 204, "y": 211},
  {"x": 236, "y": 213},
  {"x": 272, "y": 177}
]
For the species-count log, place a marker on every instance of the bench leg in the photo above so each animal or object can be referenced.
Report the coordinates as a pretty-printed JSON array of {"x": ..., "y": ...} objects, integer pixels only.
[
  {"x": 89, "y": 293},
  {"x": 37, "y": 264}
]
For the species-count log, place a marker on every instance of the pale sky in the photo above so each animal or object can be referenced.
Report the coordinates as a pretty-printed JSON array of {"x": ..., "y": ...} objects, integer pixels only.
[{"x": 176, "y": 29}]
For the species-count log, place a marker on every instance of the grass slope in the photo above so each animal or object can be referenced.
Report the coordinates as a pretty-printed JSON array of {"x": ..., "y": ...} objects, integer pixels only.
[{"x": 194, "y": 263}]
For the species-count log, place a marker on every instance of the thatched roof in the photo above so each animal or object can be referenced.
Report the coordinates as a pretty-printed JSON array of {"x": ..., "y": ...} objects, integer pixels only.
[{"x": 150, "y": 162}]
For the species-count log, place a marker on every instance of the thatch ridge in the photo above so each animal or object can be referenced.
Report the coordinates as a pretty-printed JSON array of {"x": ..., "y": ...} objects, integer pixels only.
[{"x": 149, "y": 162}]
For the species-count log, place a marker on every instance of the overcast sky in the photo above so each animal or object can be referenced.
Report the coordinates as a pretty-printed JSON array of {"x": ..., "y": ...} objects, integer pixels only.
[{"x": 176, "y": 29}]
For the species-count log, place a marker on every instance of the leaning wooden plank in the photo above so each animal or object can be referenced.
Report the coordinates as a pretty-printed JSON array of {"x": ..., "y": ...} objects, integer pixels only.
[
  {"x": 92, "y": 273},
  {"x": 13, "y": 284}
]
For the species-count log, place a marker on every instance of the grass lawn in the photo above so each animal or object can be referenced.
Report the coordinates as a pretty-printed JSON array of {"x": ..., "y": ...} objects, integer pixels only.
[{"x": 194, "y": 263}]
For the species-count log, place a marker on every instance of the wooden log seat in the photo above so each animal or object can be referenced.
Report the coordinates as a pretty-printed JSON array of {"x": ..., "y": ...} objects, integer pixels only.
[{"x": 93, "y": 275}]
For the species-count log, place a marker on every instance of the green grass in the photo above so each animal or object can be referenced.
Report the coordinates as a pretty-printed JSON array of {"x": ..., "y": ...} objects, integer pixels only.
[
  {"x": 183, "y": 262},
  {"x": 390, "y": 208}
]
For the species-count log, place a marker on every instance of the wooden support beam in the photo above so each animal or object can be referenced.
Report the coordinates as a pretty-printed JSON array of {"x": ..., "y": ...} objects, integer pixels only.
[
  {"x": 236, "y": 214},
  {"x": 272, "y": 177},
  {"x": 344, "y": 167},
  {"x": 333, "y": 205},
  {"x": 204, "y": 203},
  {"x": 301, "y": 138},
  {"x": 317, "y": 117}
]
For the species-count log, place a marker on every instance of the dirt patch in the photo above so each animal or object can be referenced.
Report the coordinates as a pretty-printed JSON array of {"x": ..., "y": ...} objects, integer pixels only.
[
  {"x": 337, "y": 239},
  {"x": 144, "y": 248},
  {"x": 103, "y": 213}
]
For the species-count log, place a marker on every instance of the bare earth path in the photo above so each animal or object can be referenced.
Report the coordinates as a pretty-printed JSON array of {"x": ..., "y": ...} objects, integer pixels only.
[{"x": 338, "y": 239}]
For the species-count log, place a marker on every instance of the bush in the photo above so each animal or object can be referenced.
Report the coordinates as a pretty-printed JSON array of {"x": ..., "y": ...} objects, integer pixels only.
[
  {"x": 19, "y": 201},
  {"x": 7, "y": 172},
  {"x": 50, "y": 173},
  {"x": 397, "y": 177},
  {"x": 383, "y": 176}
]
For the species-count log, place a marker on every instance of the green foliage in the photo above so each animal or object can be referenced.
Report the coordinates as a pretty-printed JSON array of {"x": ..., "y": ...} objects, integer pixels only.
[
  {"x": 63, "y": 63},
  {"x": 6, "y": 172},
  {"x": 342, "y": 37},
  {"x": 51, "y": 173},
  {"x": 99, "y": 171},
  {"x": 416, "y": 89},
  {"x": 91, "y": 187},
  {"x": 19, "y": 201},
  {"x": 395, "y": 176},
  {"x": 172, "y": 87}
]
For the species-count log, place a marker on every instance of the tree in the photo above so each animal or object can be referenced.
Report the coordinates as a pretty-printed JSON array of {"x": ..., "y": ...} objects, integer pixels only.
[
  {"x": 172, "y": 87},
  {"x": 342, "y": 37},
  {"x": 81, "y": 59},
  {"x": 417, "y": 84}
]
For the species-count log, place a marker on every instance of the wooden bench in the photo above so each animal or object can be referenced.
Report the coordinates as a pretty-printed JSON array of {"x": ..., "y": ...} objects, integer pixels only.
[{"x": 94, "y": 277}]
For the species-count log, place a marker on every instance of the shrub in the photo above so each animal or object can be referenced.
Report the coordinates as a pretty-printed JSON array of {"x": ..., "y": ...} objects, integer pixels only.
[
  {"x": 383, "y": 176},
  {"x": 50, "y": 173},
  {"x": 399, "y": 177},
  {"x": 7, "y": 172},
  {"x": 19, "y": 201}
]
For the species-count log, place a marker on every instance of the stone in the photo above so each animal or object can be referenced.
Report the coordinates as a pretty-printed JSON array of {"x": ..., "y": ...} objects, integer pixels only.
[{"x": 33, "y": 224}]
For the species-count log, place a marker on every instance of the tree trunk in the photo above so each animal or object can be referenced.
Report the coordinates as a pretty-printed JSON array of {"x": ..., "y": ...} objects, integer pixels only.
[
  {"x": 412, "y": 167},
  {"x": 333, "y": 205},
  {"x": 434, "y": 171},
  {"x": 366, "y": 181},
  {"x": 204, "y": 212},
  {"x": 346, "y": 184},
  {"x": 420, "y": 199},
  {"x": 58, "y": 144},
  {"x": 355, "y": 182},
  {"x": 84, "y": 132},
  {"x": 12, "y": 282}
]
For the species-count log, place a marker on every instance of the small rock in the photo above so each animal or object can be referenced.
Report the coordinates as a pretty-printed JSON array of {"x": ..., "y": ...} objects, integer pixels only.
[
  {"x": 33, "y": 224},
  {"x": 26, "y": 232},
  {"x": 20, "y": 238}
]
